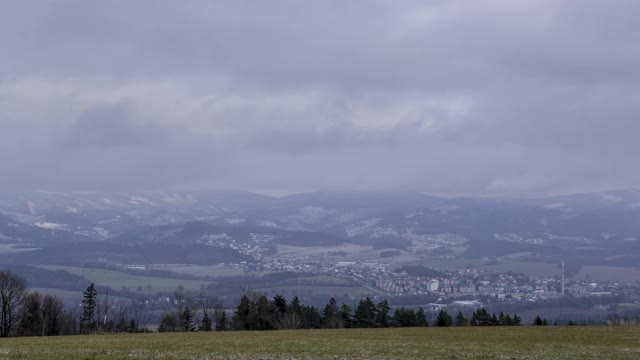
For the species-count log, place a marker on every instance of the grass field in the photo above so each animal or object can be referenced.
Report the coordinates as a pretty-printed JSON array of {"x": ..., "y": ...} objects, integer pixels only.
[
  {"x": 199, "y": 270},
  {"x": 319, "y": 280},
  {"x": 117, "y": 280},
  {"x": 329, "y": 254},
  {"x": 13, "y": 248},
  {"x": 450, "y": 264},
  {"x": 344, "y": 252},
  {"x": 608, "y": 273},
  {"x": 429, "y": 343},
  {"x": 69, "y": 297}
]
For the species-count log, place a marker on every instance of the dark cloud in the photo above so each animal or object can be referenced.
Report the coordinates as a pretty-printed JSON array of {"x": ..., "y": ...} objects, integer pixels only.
[{"x": 436, "y": 96}]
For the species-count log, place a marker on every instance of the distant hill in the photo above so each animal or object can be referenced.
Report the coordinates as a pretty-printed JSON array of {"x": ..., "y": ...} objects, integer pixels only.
[{"x": 598, "y": 228}]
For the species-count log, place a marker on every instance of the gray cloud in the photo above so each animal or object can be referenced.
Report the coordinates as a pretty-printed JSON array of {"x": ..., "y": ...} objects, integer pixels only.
[
  {"x": 448, "y": 97},
  {"x": 110, "y": 126}
]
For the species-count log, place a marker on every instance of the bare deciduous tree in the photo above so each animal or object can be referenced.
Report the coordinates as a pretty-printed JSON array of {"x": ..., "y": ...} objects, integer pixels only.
[
  {"x": 51, "y": 313},
  {"x": 103, "y": 310},
  {"x": 207, "y": 305},
  {"x": 122, "y": 324},
  {"x": 139, "y": 315},
  {"x": 13, "y": 289},
  {"x": 289, "y": 321}
]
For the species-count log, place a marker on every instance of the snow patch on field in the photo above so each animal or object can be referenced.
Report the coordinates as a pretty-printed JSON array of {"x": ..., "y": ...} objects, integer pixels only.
[
  {"x": 610, "y": 197},
  {"x": 362, "y": 227},
  {"x": 515, "y": 238},
  {"x": 555, "y": 206},
  {"x": 102, "y": 232},
  {"x": 314, "y": 214},
  {"x": 51, "y": 226},
  {"x": 137, "y": 200},
  {"x": 269, "y": 224},
  {"x": 235, "y": 221},
  {"x": 32, "y": 207},
  {"x": 216, "y": 237}
]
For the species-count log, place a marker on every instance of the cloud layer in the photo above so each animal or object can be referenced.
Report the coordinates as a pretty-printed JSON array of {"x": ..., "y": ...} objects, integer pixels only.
[{"x": 453, "y": 97}]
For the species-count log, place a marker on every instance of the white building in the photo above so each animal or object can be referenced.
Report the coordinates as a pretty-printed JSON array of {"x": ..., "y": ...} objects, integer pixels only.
[{"x": 433, "y": 285}]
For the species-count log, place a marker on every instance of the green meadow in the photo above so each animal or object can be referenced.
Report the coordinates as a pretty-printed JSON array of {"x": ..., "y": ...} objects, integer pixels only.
[
  {"x": 118, "y": 280},
  {"x": 596, "y": 342}
]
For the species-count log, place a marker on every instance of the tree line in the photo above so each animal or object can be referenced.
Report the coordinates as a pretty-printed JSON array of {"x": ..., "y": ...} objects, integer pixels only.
[
  {"x": 257, "y": 312},
  {"x": 102, "y": 314},
  {"x": 26, "y": 313},
  {"x": 29, "y": 313}
]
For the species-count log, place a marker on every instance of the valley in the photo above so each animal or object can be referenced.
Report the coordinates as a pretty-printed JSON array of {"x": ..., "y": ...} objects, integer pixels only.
[{"x": 412, "y": 248}]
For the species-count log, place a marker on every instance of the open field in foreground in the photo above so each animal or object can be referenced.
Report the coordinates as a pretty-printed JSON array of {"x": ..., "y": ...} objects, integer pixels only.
[{"x": 419, "y": 343}]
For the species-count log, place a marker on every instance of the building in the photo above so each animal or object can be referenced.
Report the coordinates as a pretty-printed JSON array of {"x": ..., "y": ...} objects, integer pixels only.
[{"x": 433, "y": 285}]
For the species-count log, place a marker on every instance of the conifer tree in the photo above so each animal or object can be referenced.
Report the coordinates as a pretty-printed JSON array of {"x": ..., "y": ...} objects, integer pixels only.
[
  {"x": 331, "y": 309},
  {"x": 443, "y": 319},
  {"x": 404, "y": 317},
  {"x": 221, "y": 322},
  {"x": 88, "y": 321},
  {"x": 311, "y": 318},
  {"x": 345, "y": 315},
  {"x": 382, "y": 314},
  {"x": 267, "y": 314},
  {"x": 281, "y": 303},
  {"x": 475, "y": 321},
  {"x": 516, "y": 320},
  {"x": 330, "y": 315},
  {"x": 365, "y": 315},
  {"x": 295, "y": 306},
  {"x": 206, "y": 324},
  {"x": 421, "y": 318},
  {"x": 537, "y": 321},
  {"x": 494, "y": 320},
  {"x": 461, "y": 320},
  {"x": 241, "y": 319},
  {"x": 501, "y": 319},
  {"x": 188, "y": 320},
  {"x": 481, "y": 318}
]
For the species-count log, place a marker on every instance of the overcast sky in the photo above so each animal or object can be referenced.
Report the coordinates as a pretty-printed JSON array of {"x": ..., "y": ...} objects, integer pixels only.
[{"x": 444, "y": 97}]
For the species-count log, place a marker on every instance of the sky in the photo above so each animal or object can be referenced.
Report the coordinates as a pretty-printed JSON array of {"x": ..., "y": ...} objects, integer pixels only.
[{"x": 442, "y": 97}]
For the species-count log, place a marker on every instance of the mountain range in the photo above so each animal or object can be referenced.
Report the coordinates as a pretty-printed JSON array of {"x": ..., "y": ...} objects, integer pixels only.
[{"x": 593, "y": 228}]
